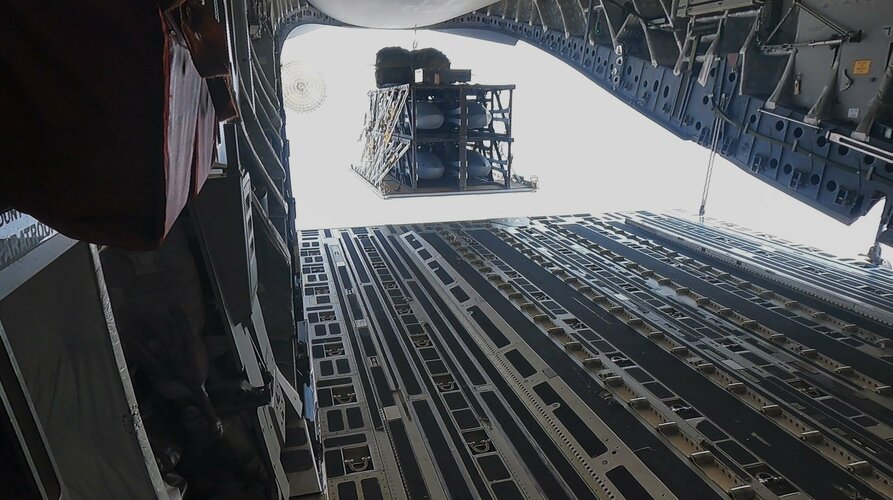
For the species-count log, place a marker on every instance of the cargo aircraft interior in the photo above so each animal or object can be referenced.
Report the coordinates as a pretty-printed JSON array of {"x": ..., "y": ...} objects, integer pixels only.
[{"x": 169, "y": 330}]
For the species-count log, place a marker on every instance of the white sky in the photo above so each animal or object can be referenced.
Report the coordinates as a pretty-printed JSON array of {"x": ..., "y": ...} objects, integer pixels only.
[{"x": 591, "y": 152}]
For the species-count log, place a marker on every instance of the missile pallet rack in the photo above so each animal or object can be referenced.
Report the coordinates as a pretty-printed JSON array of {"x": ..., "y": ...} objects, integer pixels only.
[{"x": 389, "y": 163}]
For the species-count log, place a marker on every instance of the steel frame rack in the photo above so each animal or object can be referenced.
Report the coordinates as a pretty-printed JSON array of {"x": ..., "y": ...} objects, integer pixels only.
[{"x": 389, "y": 162}]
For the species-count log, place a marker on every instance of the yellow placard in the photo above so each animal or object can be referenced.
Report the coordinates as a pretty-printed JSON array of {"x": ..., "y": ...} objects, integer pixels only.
[{"x": 862, "y": 67}]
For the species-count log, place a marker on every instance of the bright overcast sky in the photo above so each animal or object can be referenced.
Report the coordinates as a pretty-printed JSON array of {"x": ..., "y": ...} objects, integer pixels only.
[{"x": 591, "y": 152}]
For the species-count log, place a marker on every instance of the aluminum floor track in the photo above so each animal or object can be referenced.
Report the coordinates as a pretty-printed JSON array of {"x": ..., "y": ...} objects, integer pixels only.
[{"x": 620, "y": 356}]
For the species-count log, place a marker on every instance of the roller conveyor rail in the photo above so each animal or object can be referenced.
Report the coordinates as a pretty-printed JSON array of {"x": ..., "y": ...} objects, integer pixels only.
[{"x": 579, "y": 357}]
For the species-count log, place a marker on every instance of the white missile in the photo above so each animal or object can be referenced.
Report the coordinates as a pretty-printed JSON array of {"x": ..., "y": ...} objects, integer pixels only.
[
  {"x": 478, "y": 165},
  {"x": 478, "y": 116},
  {"x": 428, "y": 116},
  {"x": 429, "y": 166}
]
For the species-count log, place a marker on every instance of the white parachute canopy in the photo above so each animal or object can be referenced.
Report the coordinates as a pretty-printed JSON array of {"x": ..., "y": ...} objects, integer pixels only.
[{"x": 303, "y": 87}]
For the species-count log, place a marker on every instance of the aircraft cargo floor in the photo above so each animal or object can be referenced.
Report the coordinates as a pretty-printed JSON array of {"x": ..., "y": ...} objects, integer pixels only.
[{"x": 619, "y": 356}]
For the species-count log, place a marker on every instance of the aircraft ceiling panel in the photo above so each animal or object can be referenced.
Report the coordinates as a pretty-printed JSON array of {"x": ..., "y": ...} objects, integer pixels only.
[{"x": 396, "y": 13}]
